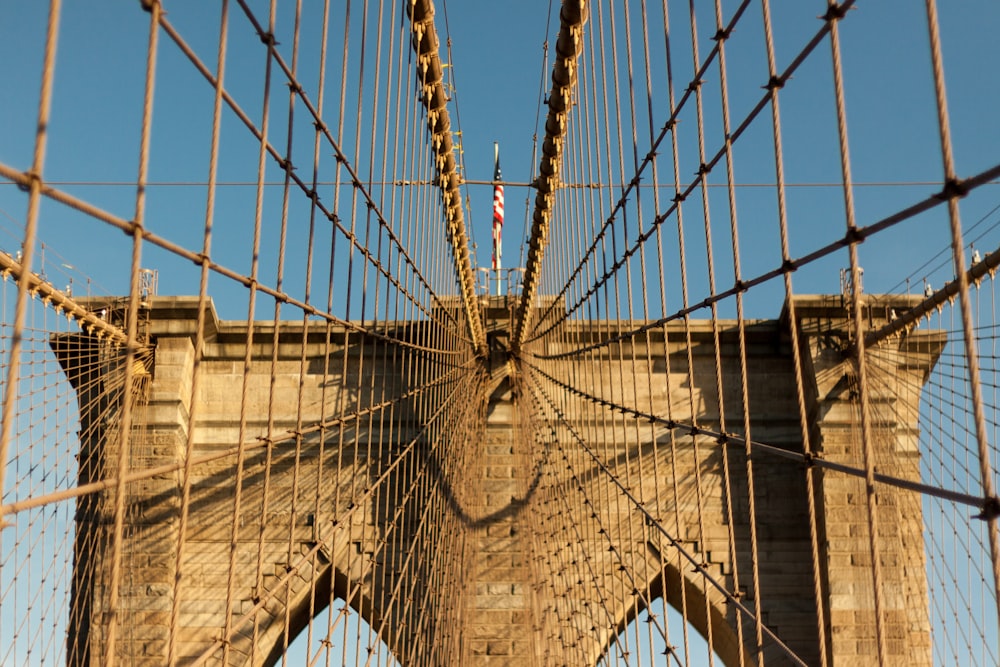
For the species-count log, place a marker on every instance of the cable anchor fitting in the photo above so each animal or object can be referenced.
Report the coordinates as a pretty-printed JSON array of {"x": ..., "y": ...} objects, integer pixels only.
[
  {"x": 954, "y": 188},
  {"x": 775, "y": 83},
  {"x": 834, "y": 12},
  {"x": 267, "y": 39},
  {"x": 990, "y": 509}
]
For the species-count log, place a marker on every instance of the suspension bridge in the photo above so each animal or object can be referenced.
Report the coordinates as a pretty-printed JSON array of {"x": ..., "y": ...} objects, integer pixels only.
[{"x": 735, "y": 401}]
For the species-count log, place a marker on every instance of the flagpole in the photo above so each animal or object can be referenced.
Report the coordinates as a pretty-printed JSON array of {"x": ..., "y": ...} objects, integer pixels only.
[{"x": 497, "y": 217}]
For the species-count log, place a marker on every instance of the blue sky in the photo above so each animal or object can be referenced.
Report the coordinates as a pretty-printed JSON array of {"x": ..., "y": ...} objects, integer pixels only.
[
  {"x": 497, "y": 53},
  {"x": 95, "y": 125},
  {"x": 497, "y": 67}
]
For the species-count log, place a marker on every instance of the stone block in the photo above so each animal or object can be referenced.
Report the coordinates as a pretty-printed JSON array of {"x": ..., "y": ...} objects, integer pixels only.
[
  {"x": 506, "y": 607},
  {"x": 499, "y": 471},
  {"x": 492, "y": 601},
  {"x": 504, "y": 529},
  {"x": 498, "y": 648}
]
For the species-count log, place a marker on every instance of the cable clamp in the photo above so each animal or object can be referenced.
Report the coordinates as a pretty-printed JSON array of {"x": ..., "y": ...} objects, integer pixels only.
[
  {"x": 810, "y": 459},
  {"x": 990, "y": 510},
  {"x": 834, "y": 12},
  {"x": 954, "y": 188},
  {"x": 32, "y": 179}
]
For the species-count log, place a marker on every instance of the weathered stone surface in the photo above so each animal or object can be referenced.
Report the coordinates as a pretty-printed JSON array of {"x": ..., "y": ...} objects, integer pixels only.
[{"x": 553, "y": 547}]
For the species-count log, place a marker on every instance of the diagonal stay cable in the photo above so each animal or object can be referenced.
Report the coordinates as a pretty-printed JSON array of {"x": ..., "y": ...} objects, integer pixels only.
[
  {"x": 978, "y": 502},
  {"x": 651, "y": 521},
  {"x": 787, "y": 267},
  {"x": 268, "y": 38},
  {"x": 572, "y": 17},
  {"x": 262, "y": 442},
  {"x": 707, "y": 167},
  {"x": 603, "y": 530},
  {"x": 289, "y": 168},
  {"x": 197, "y": 258},
  {"x": 704, "y": 170},
  {"x": 910, "y": 318},
  {"x": 634, "y": 184},
  {"x": 431, "y": 73},
  {"x": 354, "y": 504}
]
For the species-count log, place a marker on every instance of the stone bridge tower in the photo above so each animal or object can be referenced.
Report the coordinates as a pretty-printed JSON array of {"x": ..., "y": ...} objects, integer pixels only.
[{"x": 513, "y": 498}]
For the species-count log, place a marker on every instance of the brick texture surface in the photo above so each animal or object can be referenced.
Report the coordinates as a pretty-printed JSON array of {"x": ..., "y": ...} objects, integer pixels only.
[{"x": 522, "y": 607}]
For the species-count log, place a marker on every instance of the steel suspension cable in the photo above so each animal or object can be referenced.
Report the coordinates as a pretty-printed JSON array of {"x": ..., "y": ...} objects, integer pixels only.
[
  {"x": 33, "y": 182},
  {"x": 692, "y": 561},
  {"x": 572, "y": 17},
  {"x": 953, "y": 190},
  {"x": 196, "y": 375}
]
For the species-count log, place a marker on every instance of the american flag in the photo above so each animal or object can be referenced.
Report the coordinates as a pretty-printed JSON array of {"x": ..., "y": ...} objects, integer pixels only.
[{"x": 497, "y": 209}]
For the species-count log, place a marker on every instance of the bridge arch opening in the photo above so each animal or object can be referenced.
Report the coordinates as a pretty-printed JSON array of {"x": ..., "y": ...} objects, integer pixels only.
[
  {"x": 669, "y": 626},
  {"x": 342, "y": 634},
  {"x": 659, "y": 635},
  {"x": 324, "y": 625}
]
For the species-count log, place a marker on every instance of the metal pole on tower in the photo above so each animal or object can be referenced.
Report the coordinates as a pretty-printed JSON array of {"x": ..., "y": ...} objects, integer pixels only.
[{"x": 497, "y": 216}]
